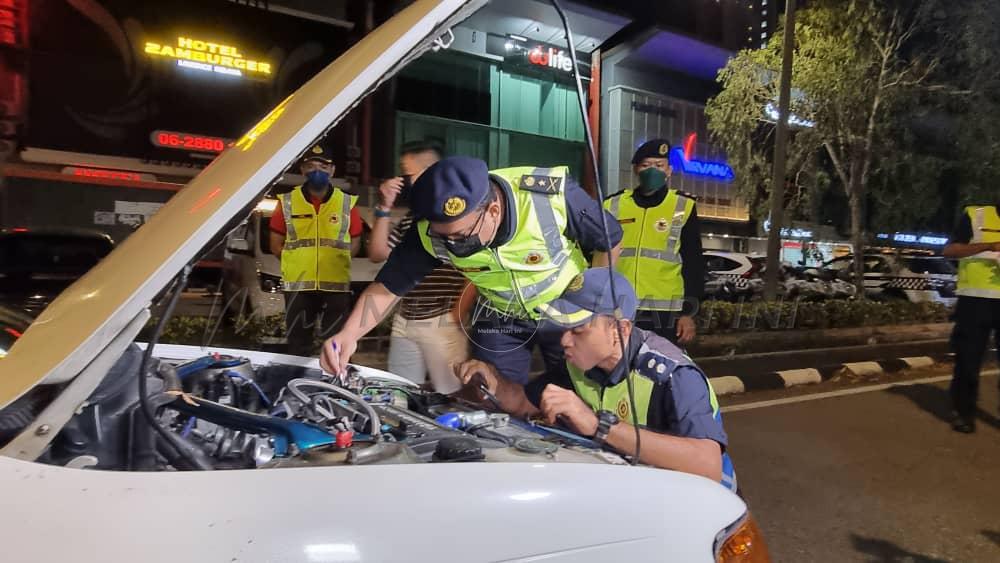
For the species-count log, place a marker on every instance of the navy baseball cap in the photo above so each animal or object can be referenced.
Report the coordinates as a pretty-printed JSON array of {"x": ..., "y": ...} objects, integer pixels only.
[
  {"x": 589, "y": 294},
  {"x": 319, "y": 153},
  {"x": 451, "y": 189},
  {"x": 655, "y": 148}
]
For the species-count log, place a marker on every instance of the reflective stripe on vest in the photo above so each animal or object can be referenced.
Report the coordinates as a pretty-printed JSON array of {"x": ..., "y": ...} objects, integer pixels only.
[
  {"x": 615, "y": 399},
  {"x": 650, "y": 258},
  {"x": 979, "y": 275},
  {"x": 316, "y": 255},
  {"x": 538, "y": 262}
]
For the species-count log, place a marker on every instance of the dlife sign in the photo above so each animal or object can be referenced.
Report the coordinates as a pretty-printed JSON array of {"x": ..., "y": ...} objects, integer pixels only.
[{"x": 552, "y": 58}]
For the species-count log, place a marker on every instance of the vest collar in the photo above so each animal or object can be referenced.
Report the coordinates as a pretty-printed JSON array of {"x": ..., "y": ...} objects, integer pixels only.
[
  {"x": 617, "y": 375},
  {"x": 309, "y": 196},
  {"x": 646, "y": 202},
  {"x": 508, "y": 226}
]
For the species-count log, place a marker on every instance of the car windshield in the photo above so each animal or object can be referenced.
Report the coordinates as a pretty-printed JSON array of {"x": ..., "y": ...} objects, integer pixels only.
[
  {"x": 930, "y": 265},
  {"x": 47, "y": 256}
]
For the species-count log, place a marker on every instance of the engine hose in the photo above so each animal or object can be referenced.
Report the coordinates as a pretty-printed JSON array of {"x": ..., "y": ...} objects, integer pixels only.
[
  {"x": 373, "y": 419},
  {"x": 145, "y": 402},
  {"x": 483, "y": 431}
]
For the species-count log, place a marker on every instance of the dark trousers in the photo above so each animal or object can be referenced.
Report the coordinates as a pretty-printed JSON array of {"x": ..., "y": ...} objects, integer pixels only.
[
  {"x": 663, "y": 323},
  {"x": 507, "y": 343},
  {"x": 975, "y": 319},
  {"x": 307, "y": 310}
]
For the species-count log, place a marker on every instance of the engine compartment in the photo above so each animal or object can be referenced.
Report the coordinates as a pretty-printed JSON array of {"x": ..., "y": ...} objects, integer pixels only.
[{"x": 226, "y": 413}]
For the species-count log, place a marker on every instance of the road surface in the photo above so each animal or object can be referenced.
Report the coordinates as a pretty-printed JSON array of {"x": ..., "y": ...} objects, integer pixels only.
[{"x": 872, "y": 476}]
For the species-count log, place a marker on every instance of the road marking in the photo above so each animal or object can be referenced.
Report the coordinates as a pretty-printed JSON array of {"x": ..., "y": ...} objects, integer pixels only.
[
  {"x": 864, "y": 368},
  {"x": 843, "y": 392},
  {"x": 800, "y": 376},
  {"x": 919, "y": 361},
  {"x": 727, "y": 385}
]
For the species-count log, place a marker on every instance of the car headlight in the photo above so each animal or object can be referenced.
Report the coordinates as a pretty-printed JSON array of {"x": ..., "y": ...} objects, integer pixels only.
[
  {"x": 269, "y": 283},
  {"x": 741, "y": 542}
]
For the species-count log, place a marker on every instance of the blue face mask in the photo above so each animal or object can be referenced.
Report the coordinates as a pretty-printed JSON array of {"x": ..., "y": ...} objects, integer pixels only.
[{"x": 318, "y": 179}]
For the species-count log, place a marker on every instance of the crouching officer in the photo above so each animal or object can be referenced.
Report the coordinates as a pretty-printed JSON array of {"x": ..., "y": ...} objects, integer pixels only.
[
  {"x": 676, "y": 409},
  {"x": 517, "y": 234},
  {"x": 661, "y": 249}
]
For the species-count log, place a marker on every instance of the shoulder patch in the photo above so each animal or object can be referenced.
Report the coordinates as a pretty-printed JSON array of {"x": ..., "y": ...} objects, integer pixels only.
[
  {"x": 655, "y": 366},
  {"x": 539, "y": 183}
]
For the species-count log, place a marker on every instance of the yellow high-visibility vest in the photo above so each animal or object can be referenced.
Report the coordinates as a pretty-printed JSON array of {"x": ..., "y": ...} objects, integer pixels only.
[
  {"x": 651, "y": 248},
  {"x": 538, "y": 262},
  {"x": 317, "y": 251},
  {"x": 979, "y": 275}
]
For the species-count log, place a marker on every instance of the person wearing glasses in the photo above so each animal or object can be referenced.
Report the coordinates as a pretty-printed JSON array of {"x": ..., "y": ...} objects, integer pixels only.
[{"x": 518, "y": 234}]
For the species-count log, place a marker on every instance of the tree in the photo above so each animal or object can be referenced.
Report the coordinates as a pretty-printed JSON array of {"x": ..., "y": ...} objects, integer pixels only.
[{"x": 851, "y": 71}]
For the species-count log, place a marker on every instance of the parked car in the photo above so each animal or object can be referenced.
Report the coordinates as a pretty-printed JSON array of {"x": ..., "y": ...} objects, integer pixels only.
[
  {"x": 12, "y": 326},
  {"x": 317, "y": 468},
  {"x": 36, "y": 265},
  {"x": 912, "y": 277}
]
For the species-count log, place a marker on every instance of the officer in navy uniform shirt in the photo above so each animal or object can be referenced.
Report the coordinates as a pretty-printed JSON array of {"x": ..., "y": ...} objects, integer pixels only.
[
  {"x": 681, "y": 427},
  {"x": 466, "y": 204}
]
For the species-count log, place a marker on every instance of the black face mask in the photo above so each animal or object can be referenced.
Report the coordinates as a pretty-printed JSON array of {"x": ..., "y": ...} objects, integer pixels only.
[{"x": 463, "y": 248}]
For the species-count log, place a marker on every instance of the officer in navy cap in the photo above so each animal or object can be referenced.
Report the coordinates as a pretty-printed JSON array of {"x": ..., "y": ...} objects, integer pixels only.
[
  {"x": 661, "y": 247},
  {"x": 681, "y": 427},
  {"x": 315, "y": 276},
  {"x": 518, "y": 234}
]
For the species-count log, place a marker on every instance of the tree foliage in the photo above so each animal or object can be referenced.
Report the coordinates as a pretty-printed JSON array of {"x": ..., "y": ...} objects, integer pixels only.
[{"x": 852, "y": 74}]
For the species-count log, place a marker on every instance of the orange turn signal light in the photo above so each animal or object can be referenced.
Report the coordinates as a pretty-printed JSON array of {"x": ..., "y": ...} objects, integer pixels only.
[{"x": 745, "y": 545}]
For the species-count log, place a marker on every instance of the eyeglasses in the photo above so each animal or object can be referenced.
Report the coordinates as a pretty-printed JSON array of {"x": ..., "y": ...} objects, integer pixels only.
[{"x": 474, "y": 230}]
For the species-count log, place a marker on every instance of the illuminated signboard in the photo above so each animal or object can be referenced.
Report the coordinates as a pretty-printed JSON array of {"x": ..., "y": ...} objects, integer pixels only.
[
  {"x": 552, "y": 58},
  {"x": 188, "y": 141},
  {"x": 209, "y": 57},
  {"x": 103, "y": 174},
  {"x": 681, "y": 161},
  {"x": 915, "y": 238},
  {"x": 787, "y": 232}
]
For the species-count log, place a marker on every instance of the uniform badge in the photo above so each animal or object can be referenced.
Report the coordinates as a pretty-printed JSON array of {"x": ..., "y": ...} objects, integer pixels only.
[
  {"x": 575, "y": 284},
  {"x": 454, "y": 206},
  {"x": 529, "y": 181},
  {"x": 317, "y": 150},
  {"x": 661, "y": 225},
  {"x": 533, "y": 258},
  {"x": 622, "y": 409},
  {"x": 664, "y": 149}
]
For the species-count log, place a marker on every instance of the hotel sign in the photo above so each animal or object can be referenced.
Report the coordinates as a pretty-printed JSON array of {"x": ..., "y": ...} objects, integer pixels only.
[{"x": 210, "y": 57}]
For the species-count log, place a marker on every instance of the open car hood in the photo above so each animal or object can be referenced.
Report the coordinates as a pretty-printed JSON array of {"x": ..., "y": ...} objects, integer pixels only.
[{"x": 113, "y": 296}]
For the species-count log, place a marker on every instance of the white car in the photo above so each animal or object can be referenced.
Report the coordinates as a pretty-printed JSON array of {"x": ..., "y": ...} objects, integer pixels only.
[
  {"x": 911, "y": 277},
  {"x": 729, "y": 264},
  {"x": 96, "y": 467}
]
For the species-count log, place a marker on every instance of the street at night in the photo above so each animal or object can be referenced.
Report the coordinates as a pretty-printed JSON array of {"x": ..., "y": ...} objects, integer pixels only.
[
  {"x": 463, "y": 281},
  {"x": 873, "y": 476}
]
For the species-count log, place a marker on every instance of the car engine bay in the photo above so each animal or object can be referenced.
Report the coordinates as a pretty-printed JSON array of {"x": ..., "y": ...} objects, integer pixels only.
[{"x": 225, "y": 413}]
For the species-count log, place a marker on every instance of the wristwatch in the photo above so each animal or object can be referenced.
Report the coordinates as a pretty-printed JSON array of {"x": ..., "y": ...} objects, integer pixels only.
[
  {"x": 605, "y": 420},
  {"x": 382, "y": 211}
]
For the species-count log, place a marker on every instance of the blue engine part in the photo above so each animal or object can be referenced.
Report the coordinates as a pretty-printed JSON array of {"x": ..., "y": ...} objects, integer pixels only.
[{"x": 302, "y": 435}]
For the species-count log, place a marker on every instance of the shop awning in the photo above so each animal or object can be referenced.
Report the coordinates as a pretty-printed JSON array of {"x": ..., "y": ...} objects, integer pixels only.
[{"x": 538, "y": 21}]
